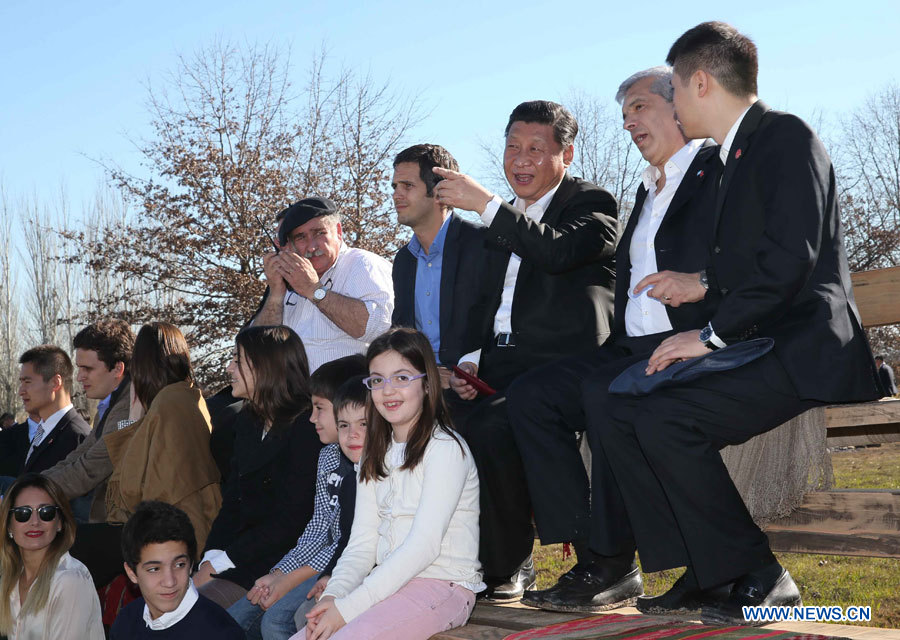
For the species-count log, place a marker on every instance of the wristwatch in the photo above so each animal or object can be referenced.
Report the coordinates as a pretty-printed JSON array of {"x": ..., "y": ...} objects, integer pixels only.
[
  {"x": 319, "y": 295},
  {"x": 704, "y": 280},
  {"x": 706, "y": 334}
]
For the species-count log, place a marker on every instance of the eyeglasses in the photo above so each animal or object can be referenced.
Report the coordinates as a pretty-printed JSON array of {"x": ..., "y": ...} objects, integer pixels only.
[
  {"x": 398, "y": 381},
  {"x": 45, "y": 513}
]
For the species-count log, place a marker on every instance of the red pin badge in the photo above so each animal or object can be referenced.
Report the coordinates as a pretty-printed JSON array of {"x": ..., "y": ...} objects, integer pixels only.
[
  {"x": 700, "y": 173},
  {"x": 737, "y": 154}
]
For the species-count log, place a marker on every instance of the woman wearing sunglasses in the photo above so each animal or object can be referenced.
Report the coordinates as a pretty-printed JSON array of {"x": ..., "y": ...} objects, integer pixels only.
[{"x": 45, "y": 594}]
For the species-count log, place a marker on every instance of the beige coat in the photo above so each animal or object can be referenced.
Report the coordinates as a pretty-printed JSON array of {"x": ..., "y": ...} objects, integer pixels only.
[{"x": 165, "y": 456}]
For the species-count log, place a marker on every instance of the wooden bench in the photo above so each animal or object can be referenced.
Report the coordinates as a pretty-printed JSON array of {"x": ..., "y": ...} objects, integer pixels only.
[{"x": 853, "y": 522}]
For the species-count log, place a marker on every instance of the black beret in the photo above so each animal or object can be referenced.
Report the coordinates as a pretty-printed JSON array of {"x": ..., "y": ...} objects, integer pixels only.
[{"x": 302, "y": 212}]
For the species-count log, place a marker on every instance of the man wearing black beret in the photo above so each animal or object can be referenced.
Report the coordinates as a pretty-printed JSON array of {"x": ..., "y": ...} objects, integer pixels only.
[{"x": 337, "y": 299}]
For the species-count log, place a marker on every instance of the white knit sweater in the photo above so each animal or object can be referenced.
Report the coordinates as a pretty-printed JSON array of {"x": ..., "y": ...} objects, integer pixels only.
[{"x": 412, "y": 524}]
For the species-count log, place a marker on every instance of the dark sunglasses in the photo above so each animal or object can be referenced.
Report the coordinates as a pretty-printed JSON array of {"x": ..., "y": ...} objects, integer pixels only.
[{"x": 45, "y": 513}]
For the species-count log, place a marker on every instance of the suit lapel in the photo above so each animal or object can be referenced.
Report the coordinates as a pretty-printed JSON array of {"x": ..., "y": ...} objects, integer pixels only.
[
  {"x": 739, "y": 147},
  {"x": 48, "y": 439},
  {"x": 410, "y": 263},
  {"x": 562, "y": 195},
  {"x": 625, "y": 240},
  {"x": 449, "y": 262}
]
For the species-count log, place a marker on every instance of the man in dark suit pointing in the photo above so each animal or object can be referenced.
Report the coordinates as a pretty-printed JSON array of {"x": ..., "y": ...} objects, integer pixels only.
[{"x": 548, "y": 288}]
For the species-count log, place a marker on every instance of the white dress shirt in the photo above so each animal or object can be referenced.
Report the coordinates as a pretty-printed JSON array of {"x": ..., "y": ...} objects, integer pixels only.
[
  {"x": 645, "y": 315},
  {"x": 72, "y": 611},
  {"x": 358, "y": 274},
  {"x": 503, "y": 317},
  {"x": 172, "y": 618},
  {"x": 50, "y": 424}
]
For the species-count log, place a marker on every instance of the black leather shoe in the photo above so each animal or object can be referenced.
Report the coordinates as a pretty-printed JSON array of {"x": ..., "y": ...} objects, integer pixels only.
[
  {"x": 682, "y": 598},
  {"x": 748, "y": 591},
  {"x": 590, "y": 589},
  {"x": 535, "y": 598},
  {"x": 511, "y": 589}
]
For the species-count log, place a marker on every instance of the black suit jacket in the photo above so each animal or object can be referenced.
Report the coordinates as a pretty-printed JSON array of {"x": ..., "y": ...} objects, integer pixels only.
[
  {"x": 13, "y": 447},
  {"x": 461, "y": 268},
  {"x": 778, "y": 259},
  {"x": 268, "y": 497},
  {"x": 60, "y": 443},
  {"x": 563, "y": 300},
  {"x": 681, "y": 243}
]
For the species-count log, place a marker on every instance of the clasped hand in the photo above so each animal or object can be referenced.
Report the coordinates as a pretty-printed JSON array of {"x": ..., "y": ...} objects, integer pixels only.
[
  {"x": 681, "y": 346},
  {"x": 288, "y": 268},
  {"x": 323, "y": 620}
]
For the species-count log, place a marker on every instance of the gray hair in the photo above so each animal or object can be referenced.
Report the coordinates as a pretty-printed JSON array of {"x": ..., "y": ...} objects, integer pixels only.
[{"x": 661, "y": 85}]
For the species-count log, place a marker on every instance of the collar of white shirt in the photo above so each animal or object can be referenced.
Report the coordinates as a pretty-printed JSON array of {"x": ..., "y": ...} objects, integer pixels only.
[
  {"x": 543, "y": 202},
  {"x": 729, "y": 139},
  {"x": 681, "y": 161},
  {"x": 51, "y": 422},
  {"x": 330, "y": 271},
  {"x": 172, "y": 618}
]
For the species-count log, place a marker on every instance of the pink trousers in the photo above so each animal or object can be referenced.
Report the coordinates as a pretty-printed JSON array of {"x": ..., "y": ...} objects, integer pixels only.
[{"x": 422, "y": 608}]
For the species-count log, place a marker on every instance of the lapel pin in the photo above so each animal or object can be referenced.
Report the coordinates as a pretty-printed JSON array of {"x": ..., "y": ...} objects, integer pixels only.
[
  {"x": 700, "y": 173},
  {"x": 737, "y": 154}
]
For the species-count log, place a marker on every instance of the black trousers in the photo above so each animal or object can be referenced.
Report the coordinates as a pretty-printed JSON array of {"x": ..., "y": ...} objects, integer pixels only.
[
  {"x": 506, "y": 532},
  {"x": 99, "y": 547},
  {"x": 546, "y": 410},
  {"x": 663, "y": 450}
]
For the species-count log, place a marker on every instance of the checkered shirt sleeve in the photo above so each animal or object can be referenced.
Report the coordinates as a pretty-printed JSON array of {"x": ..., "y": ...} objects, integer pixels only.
[{"x": 321, "y": 536}]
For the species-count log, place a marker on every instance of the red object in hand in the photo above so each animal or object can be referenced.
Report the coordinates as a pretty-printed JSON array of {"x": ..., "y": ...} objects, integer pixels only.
[{"x": 480, "y": 385}]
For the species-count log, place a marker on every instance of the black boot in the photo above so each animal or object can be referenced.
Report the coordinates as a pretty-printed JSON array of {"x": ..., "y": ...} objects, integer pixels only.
[{"x": 755, "y": 589}]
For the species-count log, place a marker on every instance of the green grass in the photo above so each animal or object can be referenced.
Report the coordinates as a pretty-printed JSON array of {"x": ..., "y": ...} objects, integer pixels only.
[{"x": 823, "y": 580}]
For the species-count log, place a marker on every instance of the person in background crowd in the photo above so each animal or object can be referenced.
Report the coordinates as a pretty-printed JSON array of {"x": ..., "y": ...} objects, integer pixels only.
[
  {"x": 45, "y": 594},
  {"x": 7, "y": 420},
  {"x": 268, "y": 498},
  {"x": 103, "y": 356},
  {"x": 337, "y": 299},
  {"x": 45, "y": 386},
  {"x": 886, "y": 376},
  {"x": 160, "y": 548},
  {"x": 163, "y": 455}
]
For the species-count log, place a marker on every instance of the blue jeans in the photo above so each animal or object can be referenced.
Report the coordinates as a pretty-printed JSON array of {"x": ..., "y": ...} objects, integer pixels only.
[{"x": 277, "y": 623}]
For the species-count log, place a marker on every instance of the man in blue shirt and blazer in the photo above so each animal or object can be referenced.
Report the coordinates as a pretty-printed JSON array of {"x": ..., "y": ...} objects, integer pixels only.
[{"x": 435, "y": 274}]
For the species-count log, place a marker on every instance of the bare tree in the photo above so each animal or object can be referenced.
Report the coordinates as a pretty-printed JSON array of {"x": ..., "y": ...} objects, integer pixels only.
[
  {"x": 10, "y": 337},
  {"x": 233, "y": 144},
  {"x": 867, "y": 160}
]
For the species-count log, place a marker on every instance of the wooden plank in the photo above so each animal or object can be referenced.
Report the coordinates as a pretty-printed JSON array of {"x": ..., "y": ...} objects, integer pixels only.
[
  {"x": 473, "y": 632},
  {"x": 877, "y": 295},
  {"x": 518, "y": 617},
  {"x": 885, "y": 412},
  {"x": 863, "y": 435},
  {"x": 848, "y": 522}
]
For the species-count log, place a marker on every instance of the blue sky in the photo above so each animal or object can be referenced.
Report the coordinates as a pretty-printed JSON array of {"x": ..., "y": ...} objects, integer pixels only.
[{"x": 74, "y": 74}]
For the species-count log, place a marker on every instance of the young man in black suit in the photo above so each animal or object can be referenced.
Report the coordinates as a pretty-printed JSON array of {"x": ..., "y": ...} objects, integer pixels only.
[
  {"x": 45, "y": 386},
  {"x": 548, "y": 289},
  {"x": 660, "y": 253},
  {"x": 435, "y": 273},
  {"x": 777, "y": 264}
]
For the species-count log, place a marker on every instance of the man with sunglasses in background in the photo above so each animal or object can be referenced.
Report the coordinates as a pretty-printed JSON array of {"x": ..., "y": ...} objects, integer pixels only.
[{"x": 337, "y": 299}]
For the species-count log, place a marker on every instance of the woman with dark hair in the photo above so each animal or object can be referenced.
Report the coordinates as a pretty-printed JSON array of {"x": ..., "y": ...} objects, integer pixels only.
[
  {"x": 164, "y": 455},
  {"x": 45, "y": 594},
  {"x": 268, "y": 497},
  {"x": 410, "y": 569}
]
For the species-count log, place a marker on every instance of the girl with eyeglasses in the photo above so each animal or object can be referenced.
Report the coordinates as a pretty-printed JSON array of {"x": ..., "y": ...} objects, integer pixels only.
[
  {"x": 268, "y": 496},
  {"x": 45, "y": 594},
  {"x": 410, "y": 569}
]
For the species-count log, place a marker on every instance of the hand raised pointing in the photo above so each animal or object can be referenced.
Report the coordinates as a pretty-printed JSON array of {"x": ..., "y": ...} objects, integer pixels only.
[{"x": 460, "y": 191}]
